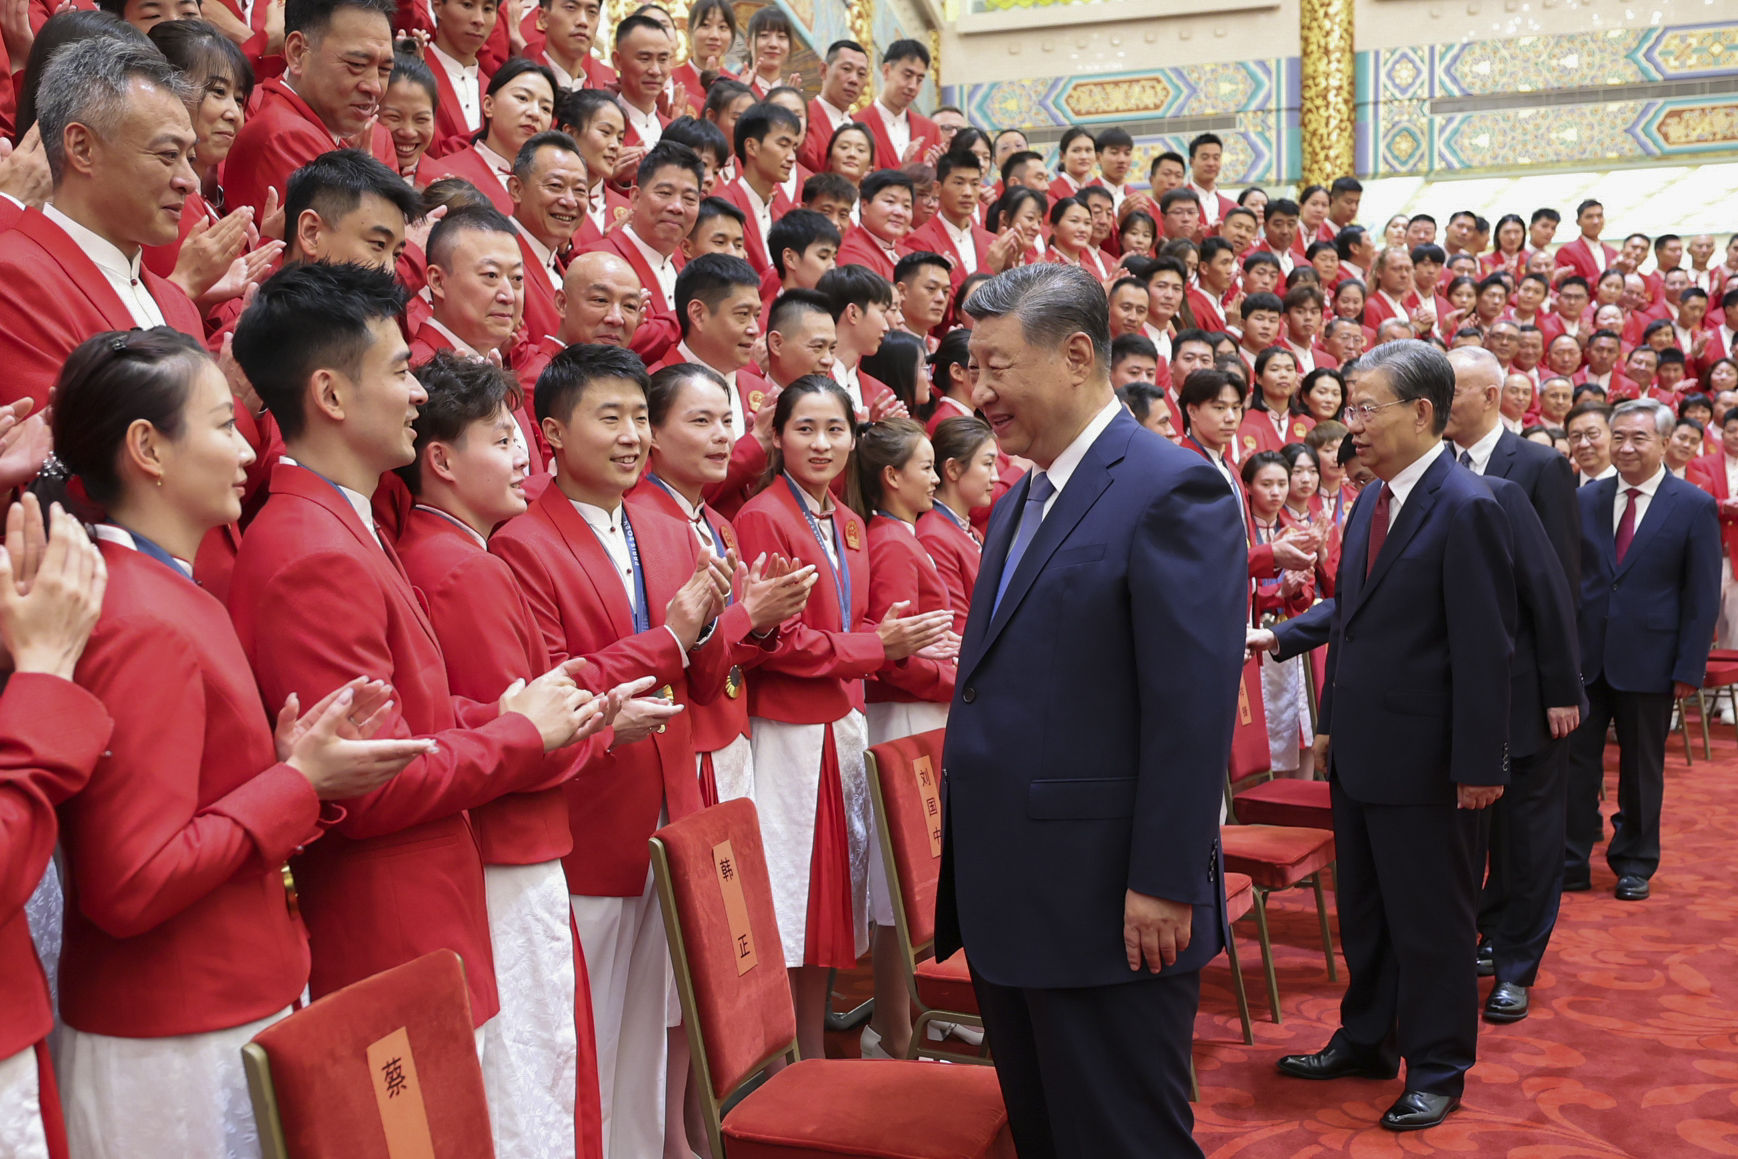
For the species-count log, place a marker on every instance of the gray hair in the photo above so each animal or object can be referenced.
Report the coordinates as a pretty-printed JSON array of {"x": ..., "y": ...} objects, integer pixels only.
[
  {"x": 1662, "y": 414},
  {"x": 1052, "y": 301},
  {"x": 86, "y": 83},
  {"x": 1415, "y": 370},
  {"x": 1478, "y": 359}
]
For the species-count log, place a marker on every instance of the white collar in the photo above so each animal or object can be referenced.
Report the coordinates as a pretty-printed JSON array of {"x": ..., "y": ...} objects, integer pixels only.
[
  {"x": 563, "y": 78},
  {"x": 1646, "y": 487},
  {"x": 601, "y": 521},
  {"x": 688, "y": 355},
  {"x": 110, "y": 533},
  {"x": 456, "y": 522},
  {"x": 498, "y": 164},
  {"x": 1401, "y": 485},
  {"x": 100, "y": 250},
  {"x": 453, "y": 65},
  {"x": 890, "y": 116},
  {"x": 644, "y": 122},
  {"x": 1481, "y": 450},
  {"x": 960, "y": 237},
  {"x": 359, "y": 502},
  {"x": 835, "y": 114},
  {"x": 1063, "y": 466},
  {"x": 657, "y": 260},
  {"x": 459, "y": 344}
]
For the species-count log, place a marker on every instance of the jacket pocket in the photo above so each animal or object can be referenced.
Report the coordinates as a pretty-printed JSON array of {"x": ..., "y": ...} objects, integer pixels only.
[
  {"x": 1081, "y": 799},
  {"x": 1091, "y": 553}
]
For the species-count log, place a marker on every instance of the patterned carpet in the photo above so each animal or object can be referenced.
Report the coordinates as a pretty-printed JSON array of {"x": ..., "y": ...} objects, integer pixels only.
[{"x": 1631, "y": 1049}]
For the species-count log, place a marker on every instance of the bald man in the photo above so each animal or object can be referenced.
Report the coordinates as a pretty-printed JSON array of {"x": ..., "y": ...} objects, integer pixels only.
[
  {"x": 1518, "y": 907},
  {"x": 600, "y": 303}
]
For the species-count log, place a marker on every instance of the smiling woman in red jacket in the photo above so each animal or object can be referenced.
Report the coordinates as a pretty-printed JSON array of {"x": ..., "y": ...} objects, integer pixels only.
[
  {"x": 806, "y": 702},
  {"x": 181, "y": 943}
]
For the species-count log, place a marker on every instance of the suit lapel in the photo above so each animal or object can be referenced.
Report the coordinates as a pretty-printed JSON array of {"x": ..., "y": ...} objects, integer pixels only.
[
  {"x": 1412, "y": 514},
  {"x": 1658, "y": 511},
  {"x": 81, "y": 273},
  {"x": 1000, "y": 535},
  {"x": 1502, "y": 460},
  {"x": 1605, "y": 511},
  {"x": 593, "y": 560}
]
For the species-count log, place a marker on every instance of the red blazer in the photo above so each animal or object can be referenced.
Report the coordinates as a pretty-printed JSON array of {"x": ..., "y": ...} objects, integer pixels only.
[
  {"x": 53, "y": 297},
  {"x": 687, "y": 78},
  {"x": 615, "y": 211},
  {"x": 1578, "y": 255},
  {"x": 451, "y": 132},
  {"x": 576, "y": 597},
  {"x": 176, "y": 919},
  {"x": 932, "y": 237},
  {"x": 54, "y": 734},
  {"x": 489, "y": 639},
  {"x": 815, "y": 676},
  {"x": 957, "y": 553},
  {"x": 316, "y": 603},
  {"x": 860, "y": 249},
  {"x": 1256, "y": 432},
  {"x": 721, "y": 720},
  {"x": 737, "y": 194},
  {"x": 426, "y": 343},
  {"x": 1205, "y": 309},
  {"x": 1709, "y": 473},
  {"x": 1377, "y": 310},
  {"x": 886, "y": 156},
  {"x": 280, "y": 138},
  {"x": 813, "y": 153},
  {"x": 541, "y": 316},
  {"x": 900, "y": 569},
  {"x": 658, "y": 332},
  {"x": 469, "y": 164},
  {"x": 41, "y": 10}
]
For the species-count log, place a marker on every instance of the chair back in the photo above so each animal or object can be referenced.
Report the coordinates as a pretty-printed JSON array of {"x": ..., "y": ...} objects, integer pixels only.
[
  {"x": 730, "y": 966},
  {"x": 382, "y": 1069},
  {"x": 1249, "y": 751},
  {"x": 905, "y": 785}
]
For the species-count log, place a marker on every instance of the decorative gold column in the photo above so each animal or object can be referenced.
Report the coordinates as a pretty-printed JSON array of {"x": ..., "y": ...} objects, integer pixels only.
[
  {"x": 1328, "y": 118},
  {"x": 861, "y": 22}
]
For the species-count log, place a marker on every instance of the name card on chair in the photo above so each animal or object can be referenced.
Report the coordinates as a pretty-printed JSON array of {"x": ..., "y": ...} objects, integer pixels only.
[
  {"x": 930, "y": 790},
  {"x": 398, "y": 1094},
  {"x": 735, "y": 908}
]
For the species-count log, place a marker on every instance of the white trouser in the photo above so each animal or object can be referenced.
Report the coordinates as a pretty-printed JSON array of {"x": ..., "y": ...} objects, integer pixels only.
[
  {"x": 632, "y": 988},
  {"x": 1726, "y": 626},
  {"x": 893, "y": 721},
  {"x": 732, "y": 769},
  {"x": 21, "y": 1133},
  {"x": 183, "y": 1097},
  {"x": 531, "y": 1048}
]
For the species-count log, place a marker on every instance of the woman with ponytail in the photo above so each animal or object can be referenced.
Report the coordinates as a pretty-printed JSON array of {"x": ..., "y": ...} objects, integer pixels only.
[
  {"x": 806, "y": 701},
  {"x": 180, "y": 941},
  {"x": 965, "y": 469},
  {"x": 894, "y": 486}
]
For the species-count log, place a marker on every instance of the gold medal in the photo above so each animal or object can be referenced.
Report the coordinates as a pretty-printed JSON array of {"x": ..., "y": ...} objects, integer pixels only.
[
  {"x": 733, "y": 682},
  {"x": 669, "y": 694}
]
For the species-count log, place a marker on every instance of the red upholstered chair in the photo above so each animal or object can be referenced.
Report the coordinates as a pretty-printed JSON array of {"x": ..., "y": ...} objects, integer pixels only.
[
  {"x": 905, "y": 786},
  {"x": 736, "y": 1003},
  {"x": 1720, "y": 678},
  {"x": 1284, "y": 800},
  {"x": 1239, "y": 900},
  {"x": 385, "y": 1067}
]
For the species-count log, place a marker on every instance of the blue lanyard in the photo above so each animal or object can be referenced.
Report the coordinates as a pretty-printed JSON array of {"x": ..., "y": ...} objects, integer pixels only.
[
  {"x": 948, "y": 514},
  {"x": 841, "y": 572},
  {"x": 717, "y": 540},
  {"x": 642, "y": 613},
  {"x": 146, "y": 547}
]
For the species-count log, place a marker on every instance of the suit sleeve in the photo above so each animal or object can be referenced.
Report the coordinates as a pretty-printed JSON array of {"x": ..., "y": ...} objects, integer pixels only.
[
  {"x": 327, "y": 627},
  {"x": 1700, "y": 606},
  {"x": 1188, "y": 646},
  {"x": 1478, "y": 589},
  {"x": 1306, "y": 631},
  {"x": 142, "y": 848},
  {"x": 1544, "y": 592},
  {"x": 1554, "y": 502},
  {"x": 51, "y": 734}
]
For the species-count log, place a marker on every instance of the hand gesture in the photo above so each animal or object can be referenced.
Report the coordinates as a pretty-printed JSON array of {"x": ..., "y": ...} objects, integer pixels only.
[
  {"x": 1477, "y": 796},
  {"x": 416, "y": 234},
  {"x": 274, "y": 28},
  {"x": 363, "y": 138},
  {"x": 24, "y": 444},
  {"x": 1155, "y": 930},
  {"x": 776, "y": 590},
  {"x": 1004, "y": 252},
  {"x": 51, "y": 589},
  {"x": 15, "y": 30},
  {"x": 762, "y": 425},
  {"x": 1258, "y": 640},
  {"x": 24, "y": 170},
  {"x": 944, "y": 650},
  {"x": 551, "y": 703},
  {"x": 641, "y": 717},
  {"x": 698, "y": 602},
  {"x": 903, "y": 635},
  {"x": 338, "y": 767},
  {"x": 370, "y": 708},
  {"x": 245, "y": 271},
  {"x": 628, "y": 164},
  {"x": 887, "y": 406},
  {"x": 271, "y": 217},
  {"x": 209, "y": 251},
  {"x": 1289, "y": 554}
]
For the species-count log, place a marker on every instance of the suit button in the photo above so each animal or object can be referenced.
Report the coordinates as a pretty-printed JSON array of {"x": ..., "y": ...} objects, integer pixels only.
[{"x": 969, "y": 695}]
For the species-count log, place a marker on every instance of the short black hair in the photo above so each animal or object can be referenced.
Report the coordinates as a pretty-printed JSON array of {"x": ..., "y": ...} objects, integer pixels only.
[
  {"x": 1204, "y": 139},
  {"x": 793, "y": 303},
  {"x": 797, "y": 230},
  {"x": 306, "y": 317},
  {"x": 632, "y": 22},
  {"x": 883, "y": 179},
  {"x": 957, "y": 159},
  {"x": 1262, "y": 301},
  {"x": 1168, "y": 155},
  {"x": 906, "y": 50},
  {"x": 1139, "y": 397},
  {"x": 461, "y": 391},
  {"x": 404, "y": 67},
  {"x": 760, "y": 120},
  {"x": 1589, "y": 203},
  {"x": 1202, "y": 387},
  {"x": 858, "y": 286},
  {"x": 1113, "y": 138},
  {"x": 1546, "y": 214},
  {"x": 709, "y": 279},
  {"x": 1346, "y": 239},
  {"x": 834, "y": 185},
  {"x": 914, "y": 261},
  {"x": 334, "y": 184},
  {"x": 1072, "y": 134},
  {"x": 526, "y": 159},
  {"x": 575, "y": 108},
  {"x": 564, "y": 381},
  {"x": 1344, "y": 185},
  {"x": 1094, "y": 193},
  {"x": 669, "y": 155},
  {"x": 481, "y": 218},
  {"x": 1132, "y": 346},
  {"x": 711, "y": 207},
  {"x": 700, "y": 135},
  {"x": 666, "y": 384},
  {"x": 1173, "y": 196},
  {"x": 839, "y": 46},
  {"x": 1282, "y": 207},
  {"x": 1429, "y": 252},
  {"x": 1016, "y": 160},
  {"x": 312, "y": 17}
]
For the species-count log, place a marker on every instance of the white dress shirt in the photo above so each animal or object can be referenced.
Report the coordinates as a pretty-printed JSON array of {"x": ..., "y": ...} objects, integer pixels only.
[
  {"x": 645, "y": 124},
  {"x": 835, "y": 117},
  {"x": 123, "y": 274},
  {"x": 1642, "y": 501},
  {"x": 963, "y": 243},
  {"x": 663, "y": 269},
  {"x": 1209, "y": 203},
  {"x": 467, "y": 85},
  {"x": 607, "y": 526},
  {"x": 1062, "y": 468},
  {"x": 359, "y": 502},
  {"x": 1480, "y": 452},
  {"x": 563, "y": 78},
  {"x": 1303, "y": 355},
  {"x": 597, "y": 206},
  {"x": 696, "y": 517},
  {"x": 1609, "y": 471},
  {"x": 1401, "y": 485},
  {"x": 847, "y": 377},
  {"x": 545, "y": 257},
  {"x": 818, "y": 509},
  {"x": 762, "y": 218},
  {"x": 1118, "y": 193},
  {"x": 898, "y": 127},
  {"x": 1597, "y": 249}
]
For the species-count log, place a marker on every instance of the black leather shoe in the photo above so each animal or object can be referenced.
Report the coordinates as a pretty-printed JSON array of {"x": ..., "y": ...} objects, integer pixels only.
[
  {"x": 1507, "y": 1003},
  {"x": 1487, "y": 960},
  {"x": 1632, "y": 887},
  {"x": 1334, "y": 1062},
  {"x": 1416, "y": 1110},
  {"x": 1577, "y": 885}
]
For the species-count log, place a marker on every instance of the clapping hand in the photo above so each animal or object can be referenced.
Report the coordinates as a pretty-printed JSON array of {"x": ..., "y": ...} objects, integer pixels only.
[{"x": 51, "y": 589}]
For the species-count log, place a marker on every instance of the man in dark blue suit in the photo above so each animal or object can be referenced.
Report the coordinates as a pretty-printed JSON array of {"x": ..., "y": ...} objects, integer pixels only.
[
  {"x": 1650, "y": 593},
  {"x": 1524, "y": 887},
  {"x": 1089, "y": 736},
  {"x": 1417, "y": 705}
]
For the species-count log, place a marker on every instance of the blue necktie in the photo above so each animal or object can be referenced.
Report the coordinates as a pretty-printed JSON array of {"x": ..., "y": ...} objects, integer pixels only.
[{"x": 1031, "y": 515}]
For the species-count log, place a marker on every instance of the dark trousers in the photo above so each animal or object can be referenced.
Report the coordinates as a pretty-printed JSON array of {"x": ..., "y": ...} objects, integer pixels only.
[
  {"x": 1524, "y": 887},
  {"x": 1643, "y": 721},
  {"x": 1099, "y": 1072},
  {"x": 1408, "y": 877}
]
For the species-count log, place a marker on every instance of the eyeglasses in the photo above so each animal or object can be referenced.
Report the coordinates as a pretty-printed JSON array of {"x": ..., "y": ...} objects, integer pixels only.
[{"x": 1366, "y": 412}]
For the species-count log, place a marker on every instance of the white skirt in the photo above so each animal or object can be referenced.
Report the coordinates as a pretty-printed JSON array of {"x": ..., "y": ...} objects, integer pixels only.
[
  {"x": 21, "y": 1132},
  {"x": 531, "y": 1047},
  {"x": 787, "y": 781},
  {"x": 1288, "y": 711},
  {"x": 732, "y": 769},
  {"x": 44, "y": 911},
  {"x": 182, "y": 1097},
  {"x": 1726, "y": 624},
  {"x": 893, "y": 721}
]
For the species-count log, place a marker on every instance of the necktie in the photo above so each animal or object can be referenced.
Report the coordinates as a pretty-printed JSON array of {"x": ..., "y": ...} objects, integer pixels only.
[
  {"x": 1626, "y": 525},
  {"x": 1031, "y": 515},
  {"x": 1378, "y": 529},
  {"x": 1466, "y": 459}
]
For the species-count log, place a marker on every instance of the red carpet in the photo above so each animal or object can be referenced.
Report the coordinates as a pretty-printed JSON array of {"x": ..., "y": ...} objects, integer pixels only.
[{"x": 1631, "y": 1049}]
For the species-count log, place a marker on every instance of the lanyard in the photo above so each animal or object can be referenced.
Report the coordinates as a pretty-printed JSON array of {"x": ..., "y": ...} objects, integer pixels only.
[
  {"x": 642, "y": 613},
  {"x": 717, "y": 540},
  {"x": 841, "y": 572}
]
